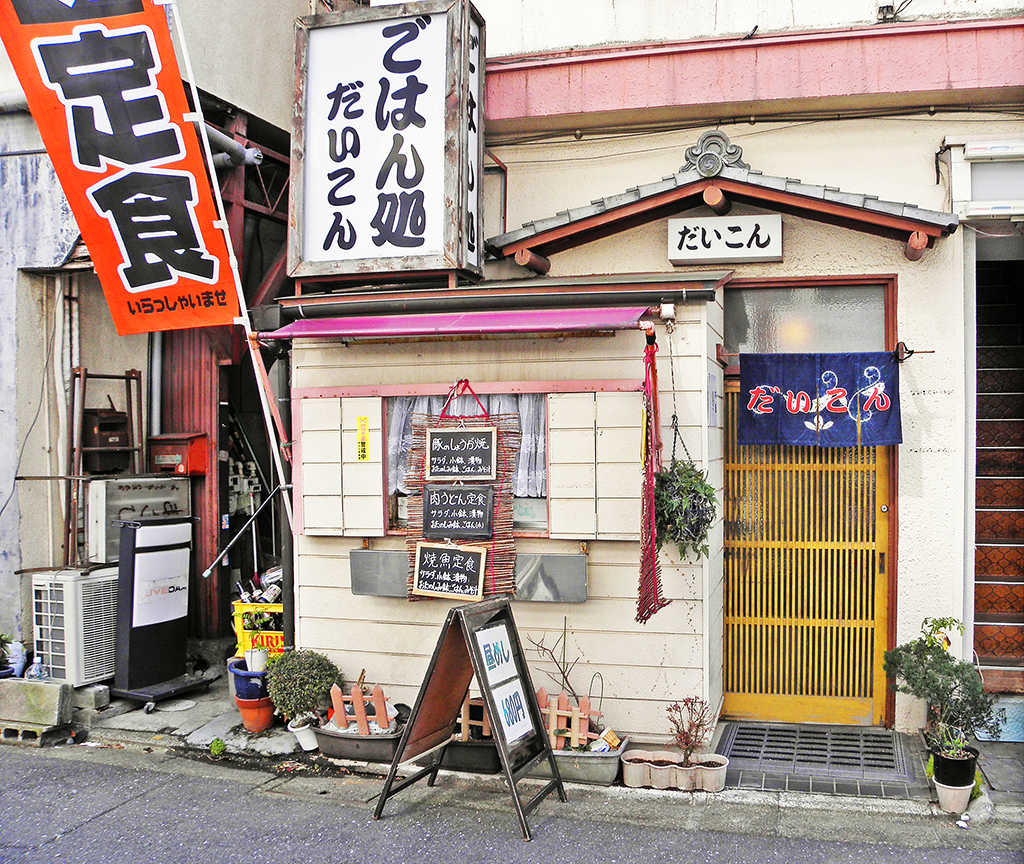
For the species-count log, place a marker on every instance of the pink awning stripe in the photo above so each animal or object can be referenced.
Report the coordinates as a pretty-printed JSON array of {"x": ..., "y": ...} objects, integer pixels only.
[{"x": 448, "y": 323}]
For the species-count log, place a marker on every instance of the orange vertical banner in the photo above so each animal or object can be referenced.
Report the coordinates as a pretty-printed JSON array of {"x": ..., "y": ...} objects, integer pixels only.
[{"x": 103, "y": 85}]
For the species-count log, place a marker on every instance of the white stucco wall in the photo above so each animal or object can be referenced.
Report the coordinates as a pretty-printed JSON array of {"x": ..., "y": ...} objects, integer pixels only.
[
  {"x": 36, "y": 230},
  {"x": 893, "y": 159},
  {"x": 643, "y": 667},
  {"x": 535, "y": 25}
]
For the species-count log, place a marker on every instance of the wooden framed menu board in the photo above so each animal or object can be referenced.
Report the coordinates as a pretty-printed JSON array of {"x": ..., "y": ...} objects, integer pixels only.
[
  {"x": 462, "y": 453},
  {"x": 447, "y": 570}
]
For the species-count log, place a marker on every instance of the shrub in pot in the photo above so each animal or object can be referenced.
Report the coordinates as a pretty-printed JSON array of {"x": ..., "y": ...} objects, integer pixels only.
[
  {"x": 300, "y": 683},
  {"x": 958, "y": 706}
]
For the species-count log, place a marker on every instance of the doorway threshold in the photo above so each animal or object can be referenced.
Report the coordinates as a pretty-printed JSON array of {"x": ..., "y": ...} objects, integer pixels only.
[{"x": 835, "y": 760}]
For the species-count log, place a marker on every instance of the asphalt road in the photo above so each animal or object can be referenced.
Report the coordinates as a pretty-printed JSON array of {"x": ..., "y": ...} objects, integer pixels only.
[{"x": 81, "y": 804}]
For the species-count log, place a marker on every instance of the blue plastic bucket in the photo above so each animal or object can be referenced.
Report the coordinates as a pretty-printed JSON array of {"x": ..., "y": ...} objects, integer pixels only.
[{"x": 248, "y": 685}]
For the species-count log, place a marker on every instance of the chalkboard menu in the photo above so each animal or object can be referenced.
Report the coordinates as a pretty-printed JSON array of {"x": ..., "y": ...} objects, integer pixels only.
[
  {"x": 465, "y": 512},
  {"x": 463, "y": 453},
  {"x": 447, "y": 570}
]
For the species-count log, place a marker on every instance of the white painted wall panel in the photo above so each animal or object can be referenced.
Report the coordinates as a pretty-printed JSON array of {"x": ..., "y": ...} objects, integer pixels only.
[
  {"x": 362, "y": 481},
  {"x": 320, "y": 454}
]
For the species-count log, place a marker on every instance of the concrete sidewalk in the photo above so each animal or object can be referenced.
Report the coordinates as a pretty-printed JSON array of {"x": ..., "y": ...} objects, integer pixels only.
[{"x": 201, "y": 716}]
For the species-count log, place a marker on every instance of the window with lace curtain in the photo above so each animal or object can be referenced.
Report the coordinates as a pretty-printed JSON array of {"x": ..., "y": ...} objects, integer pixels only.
[{"x": 530, "y": 481}]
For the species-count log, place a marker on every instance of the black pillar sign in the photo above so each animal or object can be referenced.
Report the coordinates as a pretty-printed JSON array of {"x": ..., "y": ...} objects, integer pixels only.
[{"x": 478, "y": 639}]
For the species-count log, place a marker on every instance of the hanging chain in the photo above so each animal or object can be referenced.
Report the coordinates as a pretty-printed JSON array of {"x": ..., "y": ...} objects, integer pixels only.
[{"x": 670, "y": 326}]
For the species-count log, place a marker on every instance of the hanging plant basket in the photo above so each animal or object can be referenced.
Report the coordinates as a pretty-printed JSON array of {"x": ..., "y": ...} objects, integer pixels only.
[{"x": 684, "y": 507}]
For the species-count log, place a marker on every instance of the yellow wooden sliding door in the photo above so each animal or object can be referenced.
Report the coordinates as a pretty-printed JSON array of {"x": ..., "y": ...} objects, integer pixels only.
[{"x": 806, "y": 541}]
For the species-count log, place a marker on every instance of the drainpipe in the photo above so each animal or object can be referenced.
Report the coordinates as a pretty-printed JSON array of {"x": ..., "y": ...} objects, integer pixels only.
[
  {"x": 156, "y": 383},
  {"x": 283, "y": 389},
  {"x": 232, "y": 154}
]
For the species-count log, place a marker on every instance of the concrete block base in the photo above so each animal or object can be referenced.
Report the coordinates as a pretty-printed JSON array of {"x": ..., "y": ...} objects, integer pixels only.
[
  {"x": 95, "y": 696},
  {"x": 32, "y": 735},
  {"x": 31, "y": 704}
]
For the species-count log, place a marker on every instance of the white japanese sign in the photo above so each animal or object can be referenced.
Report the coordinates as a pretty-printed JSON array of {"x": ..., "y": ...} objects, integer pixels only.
[
  {"x": 473, "y": 119},
  {"x": 388, "y": 141},
  {"x": 374, "y": 162},
  {"x": 496, "y": 649},
  {"x": 513, "y": 713},
  {"x": 725, "y": 239}
]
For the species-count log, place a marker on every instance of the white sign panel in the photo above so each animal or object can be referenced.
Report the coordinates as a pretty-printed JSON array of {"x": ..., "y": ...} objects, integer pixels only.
[
  {"x": 473, "y": 117},
  {"x": 375, "y": 139},
  {"x": 513, "y": 714},
  {"x": 161, "y": 586},
  {"x": 725, "y": 239},
  {"x": 496, "y": 649}
]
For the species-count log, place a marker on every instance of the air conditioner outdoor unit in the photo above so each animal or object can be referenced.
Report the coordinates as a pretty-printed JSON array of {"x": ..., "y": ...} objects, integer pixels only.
[
  {"x": 127, "y": 497},
  {"x": 75, "y": 618}
]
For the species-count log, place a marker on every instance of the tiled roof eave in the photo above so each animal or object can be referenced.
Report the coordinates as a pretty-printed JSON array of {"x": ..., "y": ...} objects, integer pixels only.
[{"x": 606, "y": 216}]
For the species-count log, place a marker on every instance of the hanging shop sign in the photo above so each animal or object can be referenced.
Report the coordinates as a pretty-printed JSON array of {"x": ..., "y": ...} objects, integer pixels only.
[
  {"x": 464, "y": 453},
  {"x": 103, "y": 85},
  {"x": 725, "y": 239},
  {"x": 447, "y": 570},
  {"x": 387, "y": 146},
  {"x": 820, "y": 400},
  {"x": 451, "y": 512}
]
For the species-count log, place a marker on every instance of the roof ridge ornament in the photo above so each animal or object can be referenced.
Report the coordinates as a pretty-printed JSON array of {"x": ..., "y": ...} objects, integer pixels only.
[{"x": 712, "y": 152}]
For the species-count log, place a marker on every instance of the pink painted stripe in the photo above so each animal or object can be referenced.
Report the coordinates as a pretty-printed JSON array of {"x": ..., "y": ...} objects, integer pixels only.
[
  {"x": 523, "y": 321},
  {"x": 935, "y": 58}
]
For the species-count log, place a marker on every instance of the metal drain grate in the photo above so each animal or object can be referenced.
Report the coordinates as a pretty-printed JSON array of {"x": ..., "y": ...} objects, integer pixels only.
[{"x": 818, "y": 751}]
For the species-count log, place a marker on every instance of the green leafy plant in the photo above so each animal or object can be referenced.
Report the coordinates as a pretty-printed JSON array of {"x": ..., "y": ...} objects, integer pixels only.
[
  {"x": 684, "y": 507},
  {"x": 217, "y": 748},
  {"x": 299, "y": 682},
  {"x": 958, "y": 705},
  {"x": 692, "y": 723},
  {"x": 5, "y": 640}
]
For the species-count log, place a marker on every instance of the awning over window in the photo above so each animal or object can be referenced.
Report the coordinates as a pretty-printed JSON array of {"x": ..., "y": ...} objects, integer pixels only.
[{"x": 453, "y": 323}]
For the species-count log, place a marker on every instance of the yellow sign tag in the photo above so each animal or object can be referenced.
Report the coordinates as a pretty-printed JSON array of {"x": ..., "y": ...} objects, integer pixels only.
[{"x": 362, "y": 439}]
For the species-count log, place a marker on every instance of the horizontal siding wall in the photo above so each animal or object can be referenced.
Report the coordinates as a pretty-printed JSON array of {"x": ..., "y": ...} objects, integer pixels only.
[{"x": 593, "y": 445}]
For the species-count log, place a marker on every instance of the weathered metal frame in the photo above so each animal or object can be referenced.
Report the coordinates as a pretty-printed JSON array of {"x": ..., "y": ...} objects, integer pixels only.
[{"x": 453, "y": 257}]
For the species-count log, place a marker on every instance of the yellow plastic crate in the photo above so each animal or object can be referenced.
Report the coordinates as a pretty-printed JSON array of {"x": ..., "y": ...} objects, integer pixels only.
[{"x": 272, "y": 639}]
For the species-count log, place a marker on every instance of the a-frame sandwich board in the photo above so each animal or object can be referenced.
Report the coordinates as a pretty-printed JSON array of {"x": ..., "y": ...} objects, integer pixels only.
[{"x": 478, "y": 639}]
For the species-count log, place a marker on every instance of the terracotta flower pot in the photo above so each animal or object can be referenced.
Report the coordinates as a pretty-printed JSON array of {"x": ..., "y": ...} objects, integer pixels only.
[{"x": 257, "y": 714}]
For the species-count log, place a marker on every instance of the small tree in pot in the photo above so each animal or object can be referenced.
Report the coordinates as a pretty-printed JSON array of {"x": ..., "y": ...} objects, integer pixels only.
[
  {"x": 299, "y": 683},
  {"x": 958, "y": 705}
]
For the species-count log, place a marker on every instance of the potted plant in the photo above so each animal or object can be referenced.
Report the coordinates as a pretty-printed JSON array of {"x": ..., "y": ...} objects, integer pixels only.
[
  {"x": 684, "y": 507},
  {"x": 952, "y": 689},
  {"x": 300, "y": 683},
  {"x": 257, "y": 655},
  {"x": 692, "y": 723}
]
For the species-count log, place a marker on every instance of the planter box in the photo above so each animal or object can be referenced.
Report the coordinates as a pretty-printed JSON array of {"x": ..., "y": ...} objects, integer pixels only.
[
  {"x": 712, "y": 779},
  {"x": 584, "y": 766},
  {"x": 639, "y": 768},
  {"x": 475, "y": 757},
  {"x": 360, "y": 748}
]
